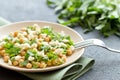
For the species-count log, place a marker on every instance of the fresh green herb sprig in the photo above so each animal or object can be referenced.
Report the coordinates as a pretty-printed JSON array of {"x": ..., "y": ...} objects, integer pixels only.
[
  {"x": 101, "y": 15},
  {"x": 11, "y": 49}
]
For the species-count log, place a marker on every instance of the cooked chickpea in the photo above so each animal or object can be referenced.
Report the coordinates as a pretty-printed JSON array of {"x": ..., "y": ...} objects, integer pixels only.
[
  {"x": 69, "y": 52},
  {"x": 60, "y": 54},
  {"x": 64, "y": 58},
  {"x": 36, "y": 36},
  {"x": 49, "y": 63},
  {"x": 59, "y": 61},
  {"x": 40, "y": 36},
  {"x": 42, "y": 64},
  {"x": 6, "y": 58},
  {"x": 29, "y": 65},
  {"x": 23, "y": 29},
  {"x": 2, "y": 52},
  {"x": 54, "y": 62},
  {"x": 37, "y": 64},
  {"x": 1, "y": 48},
  {"x": 47, "y": 39},
  {"x": 21, "y": 40},
  {"x": 26, "y": 36},
  {"x": 21, "y": 66},
  {"x": 23, "y": 53},
  {"x": 15, "y": 63},
  {"x": 38, "y": 43},
  {"x": 5, "y": 54},
  {"x": 53, "y": 49},
  {"x": 21, "y": 60},
  {"x": 15, "y": 33}
]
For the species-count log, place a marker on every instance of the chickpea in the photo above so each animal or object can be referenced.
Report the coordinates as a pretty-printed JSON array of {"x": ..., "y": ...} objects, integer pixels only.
[
  {"x": 49, "y": 63},
  {"x": 26, "y": 48},
  {"x": 42, "y": 64},
  {"x": 2, "y": 52},
  {"x": 15, "y": 33},
  {"x": 54, "y": 62},
  {"x": 21, "y": 60},
  {"x": 36, "y": 36},
  {"x": 5, "y": 54},
  {"x": 59, "y": 61},
  {"x": 1, "y": 48},
  {"x": 26, "y": 36},
  {"x": 53, "y": 49},
  {"x": 15, "y": 63},
  {"x": 64, "y": 58},
  {"x": 23, "y": 53},
  {"x": 20, "y": 65},
  {"x": 6, "y": 58},
  {"x": 36, "y": 64},
  {"x": 47, "y": 39},
  {"x": 38, "y": 43},
  {"x": 29, "y": 65},
  {"x": 60, "y": 54},
  {"x": 69, "y": 52},
  {"x": 21, "y": 40},
  {"x": 23, "y": 57},
  {"x": 23, "y": 29},
  {"x": 40, "y": 36}
]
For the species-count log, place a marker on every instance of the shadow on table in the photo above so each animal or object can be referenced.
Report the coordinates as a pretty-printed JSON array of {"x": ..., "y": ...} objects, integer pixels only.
[{"x": 6, "y": 74}]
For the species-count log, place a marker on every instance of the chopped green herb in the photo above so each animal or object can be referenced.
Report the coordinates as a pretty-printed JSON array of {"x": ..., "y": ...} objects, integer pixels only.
[
  {"x": 52, "y": 56},
  {"x": 24, "y": 63}
]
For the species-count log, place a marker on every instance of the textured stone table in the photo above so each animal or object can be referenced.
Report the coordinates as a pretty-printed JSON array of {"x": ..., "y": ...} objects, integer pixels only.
[{"x": 107, "y": 66}]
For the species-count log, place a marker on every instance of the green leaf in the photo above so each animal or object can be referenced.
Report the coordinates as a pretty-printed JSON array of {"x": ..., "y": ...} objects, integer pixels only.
[
  {"x": 101, "y": 15},
  {"x": 52, "y": 56},
  {"x": 24, "y": 63},
  {"x": 8, "y": 45}
]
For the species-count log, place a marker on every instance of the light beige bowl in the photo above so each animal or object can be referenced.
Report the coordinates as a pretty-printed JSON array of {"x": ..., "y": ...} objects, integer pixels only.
[{"x": 4, "y": 30}]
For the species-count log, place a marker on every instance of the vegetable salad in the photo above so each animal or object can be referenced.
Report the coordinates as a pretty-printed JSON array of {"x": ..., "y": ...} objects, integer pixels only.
[{"x": 36, "y": 47}]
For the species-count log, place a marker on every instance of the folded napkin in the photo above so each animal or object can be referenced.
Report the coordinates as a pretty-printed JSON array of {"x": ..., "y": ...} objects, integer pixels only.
[{"x": 71, "y": 72}]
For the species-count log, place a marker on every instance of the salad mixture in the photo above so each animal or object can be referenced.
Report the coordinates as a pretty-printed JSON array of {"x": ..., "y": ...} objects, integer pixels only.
[{"x": 36, "y": 47}]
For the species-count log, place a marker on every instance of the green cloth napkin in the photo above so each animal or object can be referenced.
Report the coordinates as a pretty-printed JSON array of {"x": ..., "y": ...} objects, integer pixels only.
[{"x": 71, "y": 72}]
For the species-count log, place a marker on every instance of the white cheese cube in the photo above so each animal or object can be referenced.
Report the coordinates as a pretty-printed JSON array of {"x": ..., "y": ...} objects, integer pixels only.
[
  {"x": 9, "y": 62},
  {"x": 57, "y": 51},
  {"x": 18, "y": 57},
  {"x": 44, "y": 35},
  {"x": 30, "y": 58},
  {"x": 41, "y": 53}
]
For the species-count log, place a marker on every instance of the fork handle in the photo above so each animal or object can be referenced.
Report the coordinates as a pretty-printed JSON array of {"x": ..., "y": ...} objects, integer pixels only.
[{"x": 94, "y": 42}]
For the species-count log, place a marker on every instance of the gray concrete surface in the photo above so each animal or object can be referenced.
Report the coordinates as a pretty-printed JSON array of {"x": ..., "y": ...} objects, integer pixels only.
[{"x": 107, "y": 66}]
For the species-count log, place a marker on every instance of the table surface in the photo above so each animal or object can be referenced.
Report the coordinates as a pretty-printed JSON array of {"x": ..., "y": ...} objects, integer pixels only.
[{"x": 107, "y": 66}]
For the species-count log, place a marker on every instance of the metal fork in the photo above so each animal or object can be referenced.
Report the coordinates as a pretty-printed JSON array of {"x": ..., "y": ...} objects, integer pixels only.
[{"x": 94, "y": 42}]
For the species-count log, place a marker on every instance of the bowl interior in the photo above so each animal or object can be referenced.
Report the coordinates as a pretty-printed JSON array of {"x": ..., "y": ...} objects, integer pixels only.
[{"x": 4, "y": 30}]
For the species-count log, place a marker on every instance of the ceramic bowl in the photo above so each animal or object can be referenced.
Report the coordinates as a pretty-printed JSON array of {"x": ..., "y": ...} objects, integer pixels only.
[{"x": 76, "y": 37}]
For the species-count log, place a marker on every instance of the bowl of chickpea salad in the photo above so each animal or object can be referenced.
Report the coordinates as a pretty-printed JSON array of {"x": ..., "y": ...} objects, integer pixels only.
[{"x": 38, "y": 46}]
